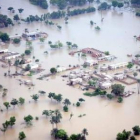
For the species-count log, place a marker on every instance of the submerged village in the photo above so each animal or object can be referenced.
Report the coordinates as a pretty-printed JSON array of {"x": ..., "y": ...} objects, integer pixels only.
[{"x": 69, "y": 70}]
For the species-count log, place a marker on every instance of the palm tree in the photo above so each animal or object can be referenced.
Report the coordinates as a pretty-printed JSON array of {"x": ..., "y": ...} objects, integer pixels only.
[
  {"x": 67, "y": 102},
  {"x": 16, "y": 64},
  {"x": 9, "y": 64},
  {"x": 84, "y": 132}
]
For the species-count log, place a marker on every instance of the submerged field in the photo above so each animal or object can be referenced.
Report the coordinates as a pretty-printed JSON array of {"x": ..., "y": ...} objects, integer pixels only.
[{"x": 104, "y": 118}]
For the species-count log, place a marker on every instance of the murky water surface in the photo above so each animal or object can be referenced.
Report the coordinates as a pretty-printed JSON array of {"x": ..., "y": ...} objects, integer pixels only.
[{"x": 104, "y": 118}]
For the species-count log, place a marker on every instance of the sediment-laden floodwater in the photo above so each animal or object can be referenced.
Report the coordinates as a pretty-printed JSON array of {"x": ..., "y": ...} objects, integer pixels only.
[{"x": 104, "y": 118}]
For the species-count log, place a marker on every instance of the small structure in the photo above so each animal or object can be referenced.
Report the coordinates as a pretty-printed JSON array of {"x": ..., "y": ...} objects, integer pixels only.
[
  {"x": 11, "y": 55},
  {"x": 3, "y": 51},
  {"x": 119, "y": 76},
  {"x": 118, "y": 65},
  {"x": 105, "y": 85},
  {"x": 71, "y": 76},
  {"x": 75, "y": 81},
  {"x": 32, "y": 65},
  {"x": 60, "y": 69},
  {"x": 90, "y": 62},
  {"x": 34, "y": 35},
  {"x": 15, "y": 36},
  {"x": 103, "y": 68},
  {"x": 106, "y": 58},
  {"x": 107, "y": 77},
  {"x": 28, "y": 82}
]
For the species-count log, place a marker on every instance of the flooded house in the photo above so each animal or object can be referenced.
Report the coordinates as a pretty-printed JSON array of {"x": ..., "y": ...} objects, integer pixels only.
[
  {"x": 103, "y": 68},
  {"x": 60, "y": 69},
  {"x": 15, "y": 36},
  {"x": 105, "y": 85},
  {"x": 76, "y": 81},
  {"x": 3, "y": 51},
  {"x": 119, "y": 76},
  {"x": 32, "y": 65},
  {"x": 11, "y": 55},
  {"x": 93, "y": 52},
  {"x": 118, "y": 65},
  {"x": 106, "y": 58},
  {"x": 34, "y": 35},
  {"x": 106, "y": 76},
  {"x": 90, "y": 62}
]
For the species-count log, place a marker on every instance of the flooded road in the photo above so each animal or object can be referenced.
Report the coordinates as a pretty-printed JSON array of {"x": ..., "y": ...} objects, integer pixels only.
[{"x": 104, "y": 118}]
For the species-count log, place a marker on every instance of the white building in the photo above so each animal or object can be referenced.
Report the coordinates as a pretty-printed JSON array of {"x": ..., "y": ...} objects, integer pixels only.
[
  {"x": 11, "y": 55},
  {"x": 119, "y": 76},
  {"x": 90, "y": 62},
  {"x": 76, "y": 81},
  {"x": 32, "y": 65},
  {"x": 108, "y": 77},
  {"x": 105, "y": 85},
  {"x": 60, "y": 69},
  {"x": 4, "y": 51},
  {"x": 118, "y": 65}
]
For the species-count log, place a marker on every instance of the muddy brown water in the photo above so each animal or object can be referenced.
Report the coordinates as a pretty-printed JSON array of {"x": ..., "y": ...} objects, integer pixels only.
[{"x": 104, "y": 118}]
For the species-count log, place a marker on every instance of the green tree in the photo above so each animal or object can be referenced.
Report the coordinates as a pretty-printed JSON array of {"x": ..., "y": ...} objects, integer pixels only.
[
  {"x": 22, "y": 135},
  {"x": 27, "y": 52},
  {"x": 65, "y": 108},
  {"x": 6, "y": 104},
  {"x": 132, "y": 138},
  {"x": 35, "y": 97},
  {"x": 10, "y": 8},
  {"x": 124, "y": 135},
  {"x": 14, "y": 102},
  {"x": 53, "y": 70},
  {"x": 12, "y": 121},
  {"x": 136, "y": 130},
  {"x": 120, "y": 5},
  {"x": 117, "y": 89},
  {"x": 20, "y": 10},
  {"x": 61, "y": 134},
  {"x": 81, "y": 100},
  {"x": 130, "y": 65},
  {"x": 58, "y": 97},
  {"x": 28, "y": 119},
  {"x": 4, "y": 37},
  {"x": 16, "y": 40},
  {"x": 78, "y": 104},
  {"x": 16, "y": 64},
  {"x": 84, "y": 132},
  {"x": 46, "y": 113},
  {"x": 114, "y": 3},
  {"x": 16, "y": 17},
  {"x": 42, "y": 39},
  {"x": 135, "y": 74},
  {"x": 5, "y": 126},
  {"x": 51, "y": 95},
  {"x": 21, "y": 101},
  {"x": 67, "y": 102}
]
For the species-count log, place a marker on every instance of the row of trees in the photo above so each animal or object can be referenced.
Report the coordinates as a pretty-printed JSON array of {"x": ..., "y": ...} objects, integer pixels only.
[
  {"x": 42, "y": 3},
  {"x": 14, "y": 102},
  {"x": 61, "y": 4},
  {"x": 125, "y": 135},
  {"x": 81, "y": 11}
]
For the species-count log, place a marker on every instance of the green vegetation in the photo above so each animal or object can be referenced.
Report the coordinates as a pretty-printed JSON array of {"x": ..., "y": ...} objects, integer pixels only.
[
  {"x": 53, "y": 70},
  {"x": 120, "y": 99},
  {"x": 104, "y": 6},
  {"x": 27, "y": 68},
  {"x": 27, "y": 52},
  {"x": 5, "y": 21},
  {"x": 28, "y": 119},
  {"x": 21, "y": 101},
  {"x": 22, "y": 135},
  {"x": 35, "y": 97},
  {"x": 6, "y": 104},
  {"x": 124, "y": 135},
  {"x": 138, "y": 13},
  {"x": 117, "y": 89},
  {"x": 136, "y": 130},
  {"x": 16, "y": 17},
  {"x": 135, "y": 2},
  {"x": 42, "y": 3},
  {"x": 97, "y": 28},
  {"x": 14, "y": 102},
  {"x": 16, "y": 40},
  {"x": 107, "y": 53},
  {"x": 130, "y": 65},
  {"x": 4, "y": 37}
]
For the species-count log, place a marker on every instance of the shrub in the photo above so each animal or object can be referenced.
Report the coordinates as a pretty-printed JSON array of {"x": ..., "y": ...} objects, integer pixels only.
[{"x": 16, "y": 40}]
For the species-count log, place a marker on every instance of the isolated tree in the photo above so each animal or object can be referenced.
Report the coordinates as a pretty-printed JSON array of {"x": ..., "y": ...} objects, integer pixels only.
[
  {"x": 67, "y": 102},
  {"x": 7, "y": 105},
  {"x": 135, "y": 74},
  {"x": 53, "y": 70},
  {"x": 5, "y": 126},
  {"x": 42, "y": 40},
  {"x": 46, "y": 113},
  {"x": 58, "y": 97},
  {"x": 117, "y": 89},
  {"x": 12, "y": 121},
  {"x": 84, "y": 132},
  {"x": 35, "y": 97},
  {"x": 51, "y": 95},
  {"x": 28, "y": 119},
  {"x": 136, "y": 130},
  {"x": 81, "y": 100},
  {"x": 130, "y": 65},
  {"x": 14, "y": 102},
  {"x": 16, "y": 17},
  {"x": 10, "y": 9},
  {"x": 20, "y": 10},
  {"x": 22, "y": 135},
  {"x": 21, "y": 101},
  {"x": 124, "y": 135},
  {"x": 114, "y": 3}
]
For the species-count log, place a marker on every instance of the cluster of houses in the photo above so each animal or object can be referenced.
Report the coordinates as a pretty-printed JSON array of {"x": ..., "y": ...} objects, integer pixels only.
[{"x": 34, "y": 35}]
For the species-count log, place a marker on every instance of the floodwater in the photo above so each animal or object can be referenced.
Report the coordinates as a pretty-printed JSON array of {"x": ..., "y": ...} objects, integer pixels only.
[{"x": 104, "y": 118}]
